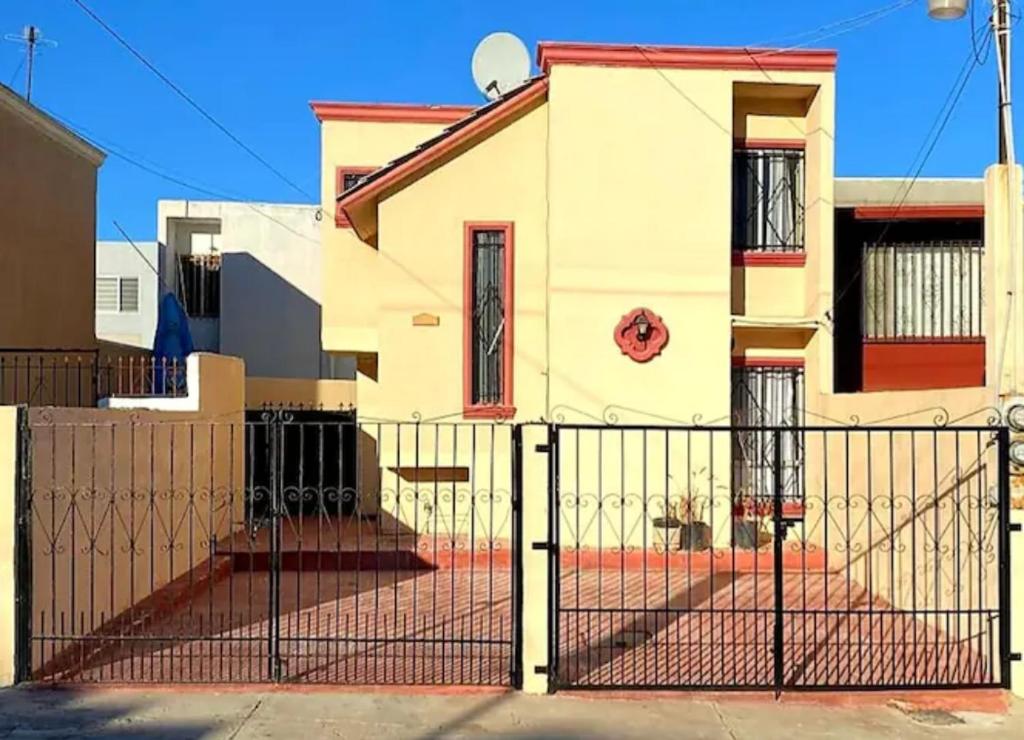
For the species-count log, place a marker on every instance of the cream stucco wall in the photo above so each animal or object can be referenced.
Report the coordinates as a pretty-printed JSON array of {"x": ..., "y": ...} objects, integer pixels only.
[
  {"x": 348, "y": 265},
  {"x": 8, "y": 491},
  {"x": 420, "y": 270}
]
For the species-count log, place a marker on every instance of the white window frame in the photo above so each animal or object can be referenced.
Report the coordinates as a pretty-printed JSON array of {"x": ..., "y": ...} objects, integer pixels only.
[{"x": 120, "y": 294}]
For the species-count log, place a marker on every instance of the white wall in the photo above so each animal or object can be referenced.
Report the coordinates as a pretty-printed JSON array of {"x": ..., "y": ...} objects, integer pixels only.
[
  {"x": 270, "y": 279},
  {"x": 121, "y": 260}
]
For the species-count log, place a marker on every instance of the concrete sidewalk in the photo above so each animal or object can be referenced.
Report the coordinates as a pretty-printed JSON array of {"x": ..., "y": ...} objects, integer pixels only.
[{"x": 211, "y": 713}]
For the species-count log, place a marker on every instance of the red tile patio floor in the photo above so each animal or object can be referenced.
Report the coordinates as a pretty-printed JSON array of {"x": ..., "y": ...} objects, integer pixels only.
[{"x": 455, "y": 626}]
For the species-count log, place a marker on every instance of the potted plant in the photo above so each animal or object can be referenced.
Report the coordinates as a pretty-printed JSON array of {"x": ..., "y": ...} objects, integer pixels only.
[
  {"x": 666, "y": 530},
  {"x": 748, "y": 514},
  {"x": 695, "y": 534}
]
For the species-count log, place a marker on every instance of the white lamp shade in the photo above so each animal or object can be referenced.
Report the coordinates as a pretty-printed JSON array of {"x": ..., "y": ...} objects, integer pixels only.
[{"x": 945, "y": 10}]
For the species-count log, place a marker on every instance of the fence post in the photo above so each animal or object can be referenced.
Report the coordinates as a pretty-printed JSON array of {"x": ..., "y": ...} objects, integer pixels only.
[
  {"x": 1014, "y": 611},
  {"x": 9, "y": 482},
  {"x": 535, "y": 556}
]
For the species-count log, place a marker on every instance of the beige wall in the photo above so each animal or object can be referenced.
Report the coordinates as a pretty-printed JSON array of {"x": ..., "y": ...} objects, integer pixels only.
[
  {"x": 350, "y": 299},
  {"x": 420, "y": 269},
  {"x": 8, "y": 492},
  {"x": 47, "y": 233}
]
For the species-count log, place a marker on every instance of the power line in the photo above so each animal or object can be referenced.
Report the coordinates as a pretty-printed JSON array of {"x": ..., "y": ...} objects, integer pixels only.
[
  {"x": 17, "y": 70},
  {"x": 156, "y": 171},
  {"x": 837, "y": 28},
  {"x": 187, "y": 98},
  {"x": 923, "y": 154}
]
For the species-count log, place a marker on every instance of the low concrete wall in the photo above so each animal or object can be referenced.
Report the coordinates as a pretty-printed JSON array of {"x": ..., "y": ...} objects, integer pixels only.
[{"x": 8, "y": 490}]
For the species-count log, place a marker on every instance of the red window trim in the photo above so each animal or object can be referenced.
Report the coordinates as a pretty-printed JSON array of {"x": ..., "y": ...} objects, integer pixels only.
[
  {"x": 744, "y": 361},
  {"x": 768, "y": 259},
  {"x": 919, "y": 212},
  {"x": 797, "y": 144},
  {"x": 340, "y": 219},
  {"x": 504, "y": 410}
]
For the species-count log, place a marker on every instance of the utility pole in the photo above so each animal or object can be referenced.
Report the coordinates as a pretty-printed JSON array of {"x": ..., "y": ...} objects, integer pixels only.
[{"x": 1001, "y": 29}]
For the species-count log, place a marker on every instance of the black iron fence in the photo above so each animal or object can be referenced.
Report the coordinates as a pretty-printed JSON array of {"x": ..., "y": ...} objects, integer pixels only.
[
  {"x": 889, "y": 572},
  {"x": 80, "y": 378},
  {"x": 311, "y": 547},
  {"x": 301, "y": 547}
]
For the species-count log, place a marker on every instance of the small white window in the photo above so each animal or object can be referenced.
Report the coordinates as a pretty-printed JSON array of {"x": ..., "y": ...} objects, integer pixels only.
[
  {"x": 129, "y": 295},
  {"x": 117, "y": 295},
  {"x": 106, "y": 294}
]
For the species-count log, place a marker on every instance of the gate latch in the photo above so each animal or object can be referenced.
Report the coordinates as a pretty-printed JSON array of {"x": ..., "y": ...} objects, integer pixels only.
[
  {"x": 1016, "y": 527},
  {"x": 547, "y": 546}
]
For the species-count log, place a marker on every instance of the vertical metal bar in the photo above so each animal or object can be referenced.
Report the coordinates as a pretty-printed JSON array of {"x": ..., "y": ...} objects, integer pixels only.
[
  {"x": 777, "y": 547},
  {"x": 517, "y": 556},
  {"x": 554, "y": 569},
  {"x": 23, "y": 553},
  {"x": 1003, "y": 441},
  {"x": 274, "y": 429}
]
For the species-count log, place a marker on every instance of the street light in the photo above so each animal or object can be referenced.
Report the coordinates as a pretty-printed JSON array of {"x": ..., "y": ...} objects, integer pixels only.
[
  {"x": 950, "y": 10},
  {"x": 947, "y": 10}
]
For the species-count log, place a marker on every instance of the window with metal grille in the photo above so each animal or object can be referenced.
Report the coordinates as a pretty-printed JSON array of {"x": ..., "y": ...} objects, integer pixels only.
[
  {"x": 346, "y": 178},
  {"x": 766, "y": 397},
  {"x": 199, "y": 284},
  {"x": 922, "y": 291},
  {"x": 117, "y": 294},
  {"x": 768, "y": 200},
  {"x": 488, "y": 329}
]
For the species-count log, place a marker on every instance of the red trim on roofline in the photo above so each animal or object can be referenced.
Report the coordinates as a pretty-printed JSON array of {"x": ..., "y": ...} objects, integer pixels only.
[
  {"x": 424, "y": 158},
  {"x": 918, "y": 212},
  {"x": 550, "y": 53},
  {"x": 389, "y": 112}
]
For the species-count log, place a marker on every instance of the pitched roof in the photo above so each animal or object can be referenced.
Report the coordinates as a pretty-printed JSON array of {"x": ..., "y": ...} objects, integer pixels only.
[{"x": 481, "y": 121}]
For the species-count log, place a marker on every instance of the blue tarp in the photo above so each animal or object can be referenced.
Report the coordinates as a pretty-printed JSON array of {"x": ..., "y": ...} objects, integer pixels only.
[{"x": 171, "y": 345}]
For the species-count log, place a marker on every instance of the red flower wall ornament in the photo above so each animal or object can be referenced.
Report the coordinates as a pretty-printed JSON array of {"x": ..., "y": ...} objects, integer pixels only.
[{"x": 641, "y": 335}]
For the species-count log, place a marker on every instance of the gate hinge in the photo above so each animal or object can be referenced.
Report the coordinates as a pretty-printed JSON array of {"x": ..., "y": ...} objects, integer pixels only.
[
  {"x": 542, "y": 546},
  {"x": 543, "y": 448},
  {"x": 1016, "y": 527},
  {"x": 1015, "y": 657},
  {"x": 540, "y": 670}
]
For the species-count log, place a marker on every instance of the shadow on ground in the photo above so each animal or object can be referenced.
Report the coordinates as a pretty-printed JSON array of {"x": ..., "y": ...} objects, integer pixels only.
[{"x": 51, "y": 712}]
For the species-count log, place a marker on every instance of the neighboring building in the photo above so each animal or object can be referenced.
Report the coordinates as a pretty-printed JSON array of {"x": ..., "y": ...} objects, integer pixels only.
[
  {"x": 128, "y": 291},
  {"x": 249, "y": 277},
  {"x": 48, "y": 348},
  {"x": 48, "y": 222}
]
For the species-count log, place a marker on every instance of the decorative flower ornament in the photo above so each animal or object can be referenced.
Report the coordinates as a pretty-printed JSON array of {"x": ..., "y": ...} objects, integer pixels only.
[{"x": 641, "y": 335}]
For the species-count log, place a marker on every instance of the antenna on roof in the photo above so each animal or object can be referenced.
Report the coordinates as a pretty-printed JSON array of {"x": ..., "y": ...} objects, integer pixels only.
[
  {"x": 500, "y": 63},
  {"x": 31, "y": 37}
]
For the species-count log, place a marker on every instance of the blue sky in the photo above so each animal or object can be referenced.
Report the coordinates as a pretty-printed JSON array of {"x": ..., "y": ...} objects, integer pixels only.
[{"x": 256, "y": 64}]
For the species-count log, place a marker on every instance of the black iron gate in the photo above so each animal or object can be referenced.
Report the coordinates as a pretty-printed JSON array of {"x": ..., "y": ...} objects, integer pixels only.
[
  {"x": 289, "y": 546},
  {"x": 869, "y": 558}
]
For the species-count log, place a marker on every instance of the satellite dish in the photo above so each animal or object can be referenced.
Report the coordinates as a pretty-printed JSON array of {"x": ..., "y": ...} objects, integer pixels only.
[{"x": 500, "y": 63}]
